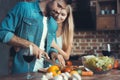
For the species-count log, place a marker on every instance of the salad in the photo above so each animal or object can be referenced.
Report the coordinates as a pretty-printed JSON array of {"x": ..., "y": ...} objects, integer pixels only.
[{"x": 102, "y": 63}]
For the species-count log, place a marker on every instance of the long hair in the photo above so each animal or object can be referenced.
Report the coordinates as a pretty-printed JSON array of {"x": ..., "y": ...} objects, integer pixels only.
[{"x": 68, "y": 29}]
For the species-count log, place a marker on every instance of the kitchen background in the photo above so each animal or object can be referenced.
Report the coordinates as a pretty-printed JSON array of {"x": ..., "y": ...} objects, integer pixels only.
[
  {"x": 93, "y": 40},
  {"x": 85, "y": 39}
]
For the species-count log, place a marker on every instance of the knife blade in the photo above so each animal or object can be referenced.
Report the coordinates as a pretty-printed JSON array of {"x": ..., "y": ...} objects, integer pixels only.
[{"x": 51, "y": 61}]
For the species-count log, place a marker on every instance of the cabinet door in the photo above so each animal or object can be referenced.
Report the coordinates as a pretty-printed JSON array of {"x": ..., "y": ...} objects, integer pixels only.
[
  {"x": 118, "y": 22},
  {"x": 106, "y": 22}
]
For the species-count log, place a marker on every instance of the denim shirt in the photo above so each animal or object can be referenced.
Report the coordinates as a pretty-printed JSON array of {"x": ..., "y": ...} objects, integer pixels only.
[{"x": 25, "y": 21}]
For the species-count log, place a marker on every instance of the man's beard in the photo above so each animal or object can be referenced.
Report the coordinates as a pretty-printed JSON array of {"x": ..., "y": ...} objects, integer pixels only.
[{"x": 54, "y": 14}]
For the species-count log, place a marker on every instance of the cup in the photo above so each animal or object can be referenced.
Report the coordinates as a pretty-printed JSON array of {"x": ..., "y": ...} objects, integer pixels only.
[
  {"x": 102, "y": 12},
  {"x": 112, "y": 11}
]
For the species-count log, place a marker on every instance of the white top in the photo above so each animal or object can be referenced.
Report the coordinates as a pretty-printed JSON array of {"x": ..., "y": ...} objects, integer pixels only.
[
  {"x": 39, "y": 62},
  {"x": 45, "y": 29},
  {"x": 59, "y": 41}
]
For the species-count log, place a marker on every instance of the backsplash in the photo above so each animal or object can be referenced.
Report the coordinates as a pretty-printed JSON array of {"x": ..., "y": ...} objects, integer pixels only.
[{"x": 93, "y": 40}]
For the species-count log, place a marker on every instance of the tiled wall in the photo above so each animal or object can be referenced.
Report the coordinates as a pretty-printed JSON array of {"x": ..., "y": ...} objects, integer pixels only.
[{"x": 85, "y": 41}]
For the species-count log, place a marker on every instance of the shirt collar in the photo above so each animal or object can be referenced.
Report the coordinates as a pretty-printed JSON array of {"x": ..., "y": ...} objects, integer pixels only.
[{"x": 38, "y": 7}]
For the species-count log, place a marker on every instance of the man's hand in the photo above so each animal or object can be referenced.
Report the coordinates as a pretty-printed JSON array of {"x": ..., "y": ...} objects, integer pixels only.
[
  {"x": 38, "y": 52},
  {"x": 60, "y": 58},
  {"x": 19, "y": 43}
]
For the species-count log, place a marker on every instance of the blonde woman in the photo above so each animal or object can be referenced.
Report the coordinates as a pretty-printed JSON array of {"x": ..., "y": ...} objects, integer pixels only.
[{"x": 64, "y": 34}]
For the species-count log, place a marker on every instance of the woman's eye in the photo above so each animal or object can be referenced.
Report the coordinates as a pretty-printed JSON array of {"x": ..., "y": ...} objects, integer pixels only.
[{"x": 63, "y": 14}]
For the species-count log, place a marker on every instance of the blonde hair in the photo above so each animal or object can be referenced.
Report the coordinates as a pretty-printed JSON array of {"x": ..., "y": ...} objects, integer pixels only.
[{"x": 68, "y": 29}]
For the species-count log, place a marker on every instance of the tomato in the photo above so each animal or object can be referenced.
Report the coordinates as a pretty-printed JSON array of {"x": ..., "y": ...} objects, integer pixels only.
[
  {"x": 116, "y": 64},
  {"x": 54, "y": 69},
  {"x": 98, "y": 69},
  {"x": 68, "y": 63},
  {"x": 67, "y": 69}
]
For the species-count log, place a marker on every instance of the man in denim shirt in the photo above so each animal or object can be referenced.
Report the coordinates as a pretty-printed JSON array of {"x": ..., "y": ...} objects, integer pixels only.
[{"x": 24, "y": 26}]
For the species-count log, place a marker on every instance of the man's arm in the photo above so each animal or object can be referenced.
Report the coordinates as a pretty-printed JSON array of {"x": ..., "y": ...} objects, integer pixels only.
[
  {"x": 22, "y": 43},
  {"x": 19, "y": 42}
]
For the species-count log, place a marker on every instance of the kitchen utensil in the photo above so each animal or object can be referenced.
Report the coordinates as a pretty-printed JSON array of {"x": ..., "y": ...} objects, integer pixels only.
[{"x": 51, "y": 61}]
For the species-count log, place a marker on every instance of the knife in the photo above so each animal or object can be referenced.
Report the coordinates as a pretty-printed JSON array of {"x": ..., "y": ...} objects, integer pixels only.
[{"x": 52, "y": 62}]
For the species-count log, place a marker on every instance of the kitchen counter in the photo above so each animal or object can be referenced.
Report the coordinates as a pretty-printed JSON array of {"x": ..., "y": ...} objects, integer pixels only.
[{"x": 111, "y": 75}]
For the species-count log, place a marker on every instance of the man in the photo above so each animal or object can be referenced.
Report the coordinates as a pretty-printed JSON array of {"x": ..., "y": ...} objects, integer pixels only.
[{"x": 30, "y": 23}]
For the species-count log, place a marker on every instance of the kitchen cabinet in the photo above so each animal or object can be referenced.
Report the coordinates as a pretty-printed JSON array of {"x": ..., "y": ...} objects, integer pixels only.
[
  {"x": 106, "y": 22},
  {"x": 96, "y": 14},
  {"x": 83, "y": 15},
  {"x": 118, "y": 22},
  {"x": 107, "y": 14}
]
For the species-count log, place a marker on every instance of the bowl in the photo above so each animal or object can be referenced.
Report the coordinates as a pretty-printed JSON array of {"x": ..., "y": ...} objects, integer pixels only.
[{"x": 98, "y": 65}]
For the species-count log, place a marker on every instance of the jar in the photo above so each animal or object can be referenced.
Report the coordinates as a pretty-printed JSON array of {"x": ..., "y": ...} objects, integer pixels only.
[
  {"x": 112, "y": 11},
  {"x": 102, "y": 12}
]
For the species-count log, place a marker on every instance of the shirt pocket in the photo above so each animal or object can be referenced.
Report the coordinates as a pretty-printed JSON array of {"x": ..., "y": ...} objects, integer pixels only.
[{"x": 30, "y": 26}]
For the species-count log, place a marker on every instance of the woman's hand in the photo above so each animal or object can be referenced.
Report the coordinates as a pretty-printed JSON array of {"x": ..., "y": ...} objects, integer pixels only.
[
  {"x": 61, "y": 59},
  {"x": 55, "y": 56}
]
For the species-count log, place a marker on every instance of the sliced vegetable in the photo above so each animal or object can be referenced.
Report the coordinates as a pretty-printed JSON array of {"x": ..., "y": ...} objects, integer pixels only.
[{"x": 87, "y": 73}]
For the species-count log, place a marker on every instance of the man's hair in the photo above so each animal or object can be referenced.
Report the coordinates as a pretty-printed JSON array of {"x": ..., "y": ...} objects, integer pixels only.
[{"x": 66, "y": 1}]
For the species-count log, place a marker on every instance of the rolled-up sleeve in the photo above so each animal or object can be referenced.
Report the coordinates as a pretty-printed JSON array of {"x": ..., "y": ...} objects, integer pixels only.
[
  {"x": 9, "y": 24},
  {"x": 8, "y": 37}
]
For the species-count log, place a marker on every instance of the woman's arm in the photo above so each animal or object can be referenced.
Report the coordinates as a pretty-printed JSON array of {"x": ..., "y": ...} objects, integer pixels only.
[
  {"x": 65, "y": 54},
  {"x": 59, "y": 57}
]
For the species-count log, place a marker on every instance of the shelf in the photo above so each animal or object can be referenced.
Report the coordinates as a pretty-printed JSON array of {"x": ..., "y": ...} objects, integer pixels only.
[
  {"x": 106, "y": 0},
  {"x": 108, "y": 15},
  {"x": 105, "y": 8}
]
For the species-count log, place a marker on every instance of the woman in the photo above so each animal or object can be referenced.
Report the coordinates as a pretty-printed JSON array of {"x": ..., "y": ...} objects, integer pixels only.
[{"x": 64, "y": 33}]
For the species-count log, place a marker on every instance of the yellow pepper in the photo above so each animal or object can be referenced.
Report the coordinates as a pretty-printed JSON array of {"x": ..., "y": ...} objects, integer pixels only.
[{"x": 54, "y": 69}]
